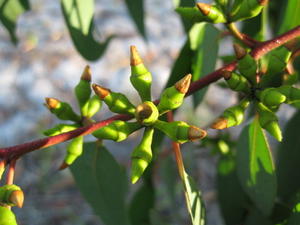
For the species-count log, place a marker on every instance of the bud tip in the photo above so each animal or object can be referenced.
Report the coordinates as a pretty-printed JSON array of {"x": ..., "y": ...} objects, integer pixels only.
[
  {"x": 52, "y": 103},
  {"x": 86, "y": 74},
  {"x": 63, "y": 166},
  {"x": 240, "y": 52},
  {"x": 135, "y": 58},
  {"x": 183, "y": 85},
  {"x": 102, "y": 92},
  {"x": 219, "y": 124},
  {"x": 196, "y": 133},
  {"x": 204, "y": 8},
  {"x": 17, "y": 198}
]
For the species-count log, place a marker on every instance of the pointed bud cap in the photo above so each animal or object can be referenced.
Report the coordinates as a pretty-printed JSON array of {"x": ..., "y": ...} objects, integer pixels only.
[
  {"x": 226, "y": 74},
  {"x": 220, "y": 123},
  {"x": 17, "y": 198},
  {"x": 263, "y": 2},
  {"x": 52, "y": 103},
  {"x": 204, "y": 8},
  {"x": 63, "y": 166},
  {"x": 240, "y": 52},
  {"x": 135, "y": 58},
  {"x": 183, "y": 85},
  {"x": 102, "y": 92},
  {"x": 274, "y": 129},
  {"x": 87, "y": 74},
  {"x": 195, "y": 133}
]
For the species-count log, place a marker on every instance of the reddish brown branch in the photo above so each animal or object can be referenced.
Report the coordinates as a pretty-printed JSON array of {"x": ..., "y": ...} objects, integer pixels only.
[{"x": 263, "y": 48}]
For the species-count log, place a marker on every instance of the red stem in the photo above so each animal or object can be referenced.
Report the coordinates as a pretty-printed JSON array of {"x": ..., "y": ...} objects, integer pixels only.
[
  {"x": 11, "y": 172},
  {"x": 263, "y": 48}
]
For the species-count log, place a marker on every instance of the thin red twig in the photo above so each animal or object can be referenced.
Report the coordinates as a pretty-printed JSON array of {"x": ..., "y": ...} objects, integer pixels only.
[
  {"x": 263, "y": 48},
  {"x": 11, "y": 172}
]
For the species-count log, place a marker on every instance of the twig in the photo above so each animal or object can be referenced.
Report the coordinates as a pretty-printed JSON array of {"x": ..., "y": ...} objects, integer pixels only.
[{"x": 263, "y": 48}]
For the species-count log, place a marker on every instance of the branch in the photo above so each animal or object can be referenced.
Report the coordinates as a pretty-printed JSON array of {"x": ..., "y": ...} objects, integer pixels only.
[{"x": 16, "y": 151}]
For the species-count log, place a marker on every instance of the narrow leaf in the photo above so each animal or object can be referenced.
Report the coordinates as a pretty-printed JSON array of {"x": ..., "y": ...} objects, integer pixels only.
[
  {"x": 136, "y": 11},
  {"x": 102, "y": 183},
  {"x": 232, "y": 198},
  {"x": 194, "y": 200},
  {"x": 204, "y": 39},
  {"x": 288, "y": 160},
  {"x": 187, "y": 24},
  {"x": 291, "y": 16},
  {"x": 79, "y": 17},
  {"x": 255, "y": 167},
  {"x": 10, "y": 10}
]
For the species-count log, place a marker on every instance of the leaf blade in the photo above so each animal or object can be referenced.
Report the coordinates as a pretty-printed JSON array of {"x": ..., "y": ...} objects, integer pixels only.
[{"x": 136, "y": 11}]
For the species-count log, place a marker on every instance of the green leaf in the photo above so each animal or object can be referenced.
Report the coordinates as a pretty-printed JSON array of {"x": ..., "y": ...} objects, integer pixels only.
[
  {"x": 288, "y": 160},
  {"x": 182, "y": 65},
  {"x": 10, "y": 10},
  {"x": 136, "y": 11},
  {"x": 291, "y": 16},
  {"x": 255, "y": 217},
  {"x": 187, "y": 24},
  {"x": 141, "y": 205},
  {"x": 102, "y": 182},
  {"x": 79, "y": 17},
  {"x": 294, "y": 219},
  {"x": 255, "y": 167},
  {"x": 204, "y": 39},
  {"x": 194, "y": 200},
  {"x": 232, "y": 198}
]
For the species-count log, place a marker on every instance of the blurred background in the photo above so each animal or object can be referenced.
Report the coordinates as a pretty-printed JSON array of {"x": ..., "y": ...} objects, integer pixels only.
[{"x": 45, "y": 64}]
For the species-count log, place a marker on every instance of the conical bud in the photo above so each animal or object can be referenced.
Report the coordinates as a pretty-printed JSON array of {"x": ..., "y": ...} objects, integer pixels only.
[
  {"x": 220, "y": 123},
  {"x": 183, "y": 85},
  {"x": 211, "y": 13},
  {"x": 52, "y": 103},
  {"x": 135, "y": 58},
  {"x": 240, "y": 52},
  {"x": 100, "y": 91},
  {"x": 195, "y": 133},
  {"x": 204, "y": 8},
  {"x": 271, "y": 97},
  {"x": 17, "y": 198},
  {"x": 87, "y": 74}
]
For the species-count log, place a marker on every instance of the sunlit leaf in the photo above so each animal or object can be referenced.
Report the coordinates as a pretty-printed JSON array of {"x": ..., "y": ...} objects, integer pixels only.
[
  {"x": 291, "y": 16},
  {"x": 79, "y": 17},
  {"x": 255, "y": 167}
]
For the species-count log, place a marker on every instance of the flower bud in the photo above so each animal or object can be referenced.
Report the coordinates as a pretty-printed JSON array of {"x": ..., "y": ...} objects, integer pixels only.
[
  {"x": 269, "y": 121},
  {"x": 94, "y": 105},
  {"x": 172, "y": 97},
  {"x": 246, "y": 64},
  {"x": 146, "y": 113},
  {"x": 212, "y": 13},
  {"x": 83, "y": 90},
  {"x": 11, "y": 195},
  {"x": 142, "y": 155},
  {"x": 232, "y": 116},
  {"x": 140, "y": 78},
  {"x": 270, "y": 97},
  {"x": 117, "y": 131},
  {"x": 7, "y": 217},
  {"x": 74, "y": 150},
  {"x": 180, "y": 131},
  {"x": 61, "y": 110},
  {"x": 60, "y": 128},
  {"x": 246, "y": 9},
  {"x": 236, "y": 81},
  {"x": 116, "y": 102},
  {"x": 292, "y": 95}
]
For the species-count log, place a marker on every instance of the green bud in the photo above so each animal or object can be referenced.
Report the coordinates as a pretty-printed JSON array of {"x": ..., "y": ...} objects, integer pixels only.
[
  {"x": 172, "y": 97},
  {"x": 269, "y": 121},
  {"x": 60, "y": 128},
  {"x": 7, "y": 217},
  {"x": 270, "y": 97},
  {"x": 292, "y": 95},
  {"x": 140, "y": 78},
  {"x": 180, "y": 131},
  {"x": 212, "y": 13},
  {"x": 236, "y": 81},
  {"x": 247, "y": 65},
  {"x": 11, "y": 195},
  {"x": 74, "y": 150},
  {"x": 277, "y": 62},
  {"x": 142, "y": 155},
  {"x": 117, "y": 131},
  {"x": 62, "y": 110},
  {"x": 146, "y": 113},
  {"x": 94, "y": 105},
  {"x": 116, "y": 102},
  {"x": 232, "y": 116},
  {"x": 83, "y": 90},
  {"x": 243, "y": 9}
]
